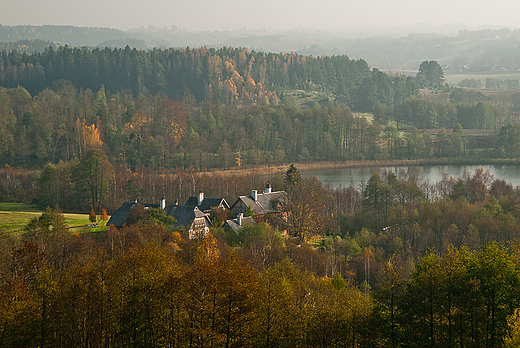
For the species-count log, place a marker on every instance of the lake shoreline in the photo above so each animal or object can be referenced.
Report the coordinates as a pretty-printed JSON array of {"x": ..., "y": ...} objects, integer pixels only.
[
  {"x": 266, "y": 169},
  {"x": 303, "y": 167}
]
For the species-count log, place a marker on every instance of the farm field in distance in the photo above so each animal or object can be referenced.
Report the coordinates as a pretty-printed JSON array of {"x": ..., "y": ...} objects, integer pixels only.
[
  {"x": 455, "y": 77},
  {"x": 14, "y": 217}
]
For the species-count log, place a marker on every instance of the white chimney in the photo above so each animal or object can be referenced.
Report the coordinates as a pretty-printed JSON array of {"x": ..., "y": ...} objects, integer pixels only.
[
  {"x": 162, "y": 203},
  {"x": 253, "y": 195},
  {"x": 135, "y": 201},
  {"x": 200, "y": 198},
  {"x": 267, "y": 188},
  {"x": 239, "y": 219}
]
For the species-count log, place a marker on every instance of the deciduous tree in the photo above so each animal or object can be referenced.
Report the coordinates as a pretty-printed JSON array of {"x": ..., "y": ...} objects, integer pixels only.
[{"x": 94, "y": 174}]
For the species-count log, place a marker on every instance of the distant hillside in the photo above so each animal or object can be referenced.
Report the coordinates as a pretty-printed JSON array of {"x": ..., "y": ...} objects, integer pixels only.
[
  {"x": 122, "y": 43},
  {"x": 457, "y": 48},
  {"x": 396, "y": 49},
  {"x": 74, "y": 36},
  {"x": 27, "y": 46}
]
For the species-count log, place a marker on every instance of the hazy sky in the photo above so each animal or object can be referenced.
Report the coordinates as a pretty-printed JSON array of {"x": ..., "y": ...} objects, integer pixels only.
[{"x": 275, "y": 14}]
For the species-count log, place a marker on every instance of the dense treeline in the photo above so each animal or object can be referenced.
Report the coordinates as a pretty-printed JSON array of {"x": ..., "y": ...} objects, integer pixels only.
[
  {"x": 93, "y": 181},
  {"x": 470, "y": 109},
  {"x": 129, "y": 142},
  {"x": 462, "y": 298},
  {"x": 473, "y": 210},
  {"x": 228, "y": 110},
  {"x": 61, "y": 123},
  {"x": 145, "y": 286},
  {"x": 456, "y": 233},
  {"x": 412, "y": 265},
  {"x": 508, "y": 141},
  {"x": 145, "y": 294},
  {"x": 26, "y": 46},
  {"x": 229, "y": 75}
]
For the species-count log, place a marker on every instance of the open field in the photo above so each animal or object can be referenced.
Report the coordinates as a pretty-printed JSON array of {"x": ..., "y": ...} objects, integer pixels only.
[
  {"x": 14, "y": 217},
  {"x": 14, "y": 221},
  {"x": 454, "y": 79},
  {"x": 18, "y": 207},
  {"x": 367, "y": 115}
]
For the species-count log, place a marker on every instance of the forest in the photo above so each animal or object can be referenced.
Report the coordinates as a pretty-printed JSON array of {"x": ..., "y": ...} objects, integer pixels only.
[
  {"x": 398, "y": 264},
  {"x": 457, "y": 48},
  {"x": 204, "y": 108},
  {"x": 394, "y": 263},
  {"x": 50, "y": 142},
  {"x": 229, "y": 75},
  {"x": 59, "y": 123}
]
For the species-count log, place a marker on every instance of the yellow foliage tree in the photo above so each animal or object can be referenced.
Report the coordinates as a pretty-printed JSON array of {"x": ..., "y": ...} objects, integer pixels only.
[
  {"x": 238, "y": 159},
  {"x": 88, "y": 136},
  {"x": 91, "y": 137},
  {"x": 512, "y": 338},
  {"x": 175, "y": 120},
  {"x": 207, "y": 252}
]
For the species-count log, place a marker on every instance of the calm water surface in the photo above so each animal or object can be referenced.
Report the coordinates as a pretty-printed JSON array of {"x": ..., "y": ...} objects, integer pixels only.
[{"x": 357, "y": 176}]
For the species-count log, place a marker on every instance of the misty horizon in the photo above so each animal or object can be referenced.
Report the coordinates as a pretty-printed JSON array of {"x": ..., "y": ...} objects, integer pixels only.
[
  {"x": 451, "y": 29},
  {"x": 362, "y": 31},
  {"x": 229, "y": 15}
]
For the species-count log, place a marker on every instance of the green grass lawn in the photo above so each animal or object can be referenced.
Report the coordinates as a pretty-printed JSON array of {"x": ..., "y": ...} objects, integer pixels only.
[
  {"x": 14, "y": 217},
  {"x": 14, "y": 221},
  {"x": 18, "y": 207}
]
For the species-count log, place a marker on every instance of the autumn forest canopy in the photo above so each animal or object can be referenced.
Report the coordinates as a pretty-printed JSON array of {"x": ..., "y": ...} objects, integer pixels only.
[
  {"x": 387, "y": 268},
  {"x": 396, "y": 262},
  {"x": 204, "y": 108},
  {"x": 229, "y": 75}
]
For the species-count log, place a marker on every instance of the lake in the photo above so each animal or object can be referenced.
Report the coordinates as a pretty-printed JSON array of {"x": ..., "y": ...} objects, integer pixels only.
[{"x": 356, "y": 176}]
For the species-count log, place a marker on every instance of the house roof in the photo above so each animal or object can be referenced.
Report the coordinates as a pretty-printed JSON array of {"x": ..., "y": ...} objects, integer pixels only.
[
  {"x": 184, "y": 214},
  {"x": 265, "y": 203},
  {"x": 207, "y": 203},
  {"x": 233, "y": 224},
  {"x": 119, "y": 217}
]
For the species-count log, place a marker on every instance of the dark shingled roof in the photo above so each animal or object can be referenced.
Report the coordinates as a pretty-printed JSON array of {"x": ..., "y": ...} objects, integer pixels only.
[
  {"x": 119, "y": 217},
  {"x": 233, "y": 224},
  {"x": 207, "y": 203},
  {"x": 183, "y": 214},
  {"x": 264, "y": 202}
]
